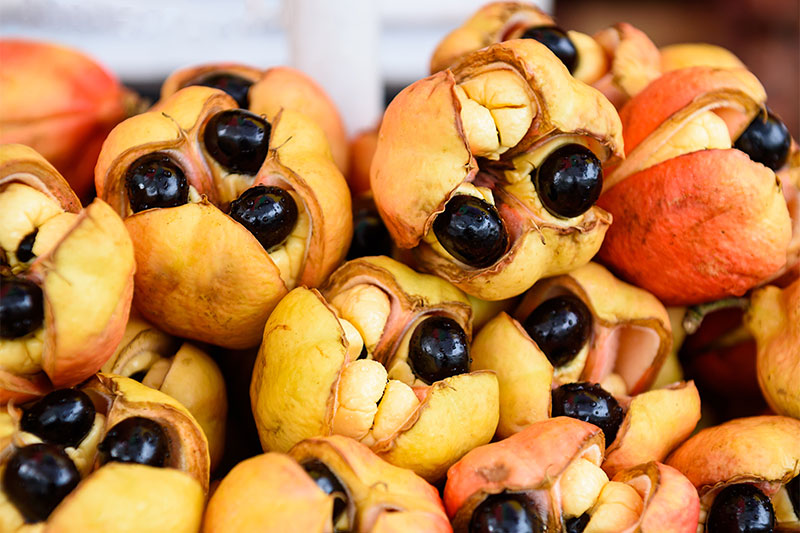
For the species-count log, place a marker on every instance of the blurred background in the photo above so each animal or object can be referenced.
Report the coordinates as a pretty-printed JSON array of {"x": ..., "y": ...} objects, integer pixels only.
[{"x": 364, "y": 51}]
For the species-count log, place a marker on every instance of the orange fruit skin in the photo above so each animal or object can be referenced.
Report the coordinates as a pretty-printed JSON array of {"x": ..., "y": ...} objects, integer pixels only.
[{"x": 697, "y": 227}]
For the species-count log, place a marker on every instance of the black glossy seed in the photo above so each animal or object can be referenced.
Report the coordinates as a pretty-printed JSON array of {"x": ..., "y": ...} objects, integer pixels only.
[
  {"x": 557, "y": 41},
  {"x": 505, "y": 513},
  {"x": 438, "y": 349},
  {"x": 793, "y": 488},
  {"x": 577, "y": 524},
  {"x": 269, "y": 213},
  {"x": 766, "y": 140},
  {"x": 62, "y": 417},
  {"x": 156, "y": 180},
  {"x": 591, "y": 403},
  {"x": 741, "y": 508},
  {"x": 370, "y": 236},
  {"x": 238, "y": 140},
  {"x": 560, "y": 327},
  {"x": 135, "y": 440},
  {"x": 329, "y": 484},
  {"x": 236, "y": 86},
  {"x": 37, "y": 478},
  {"x": 25, "y": 248},
  {"x": 569, "y": 181},
  {"x": 472, "y": 231},
  {"x": 21, "y": 307}
]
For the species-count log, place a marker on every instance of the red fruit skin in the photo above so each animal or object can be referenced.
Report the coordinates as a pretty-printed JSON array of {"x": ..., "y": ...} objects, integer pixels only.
[
  {"x": 59, "y": 102},
  {"x": 697, "y": 227}
]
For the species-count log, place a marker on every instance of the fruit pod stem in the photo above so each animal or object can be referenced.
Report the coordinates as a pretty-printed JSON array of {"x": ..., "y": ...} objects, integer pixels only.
[{"x": 695, "y": 314}]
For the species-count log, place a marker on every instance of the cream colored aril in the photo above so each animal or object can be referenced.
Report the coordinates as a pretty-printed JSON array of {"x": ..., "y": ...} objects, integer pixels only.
[
  {"x": 290, "y": 255},
  {"x": 24, "y": 210},
  {"x": 496, "y": 111},
  {"x": 703, "y": 132},
  {"x": 580, "y": 486},
  {"x": 366, "y": 307}
]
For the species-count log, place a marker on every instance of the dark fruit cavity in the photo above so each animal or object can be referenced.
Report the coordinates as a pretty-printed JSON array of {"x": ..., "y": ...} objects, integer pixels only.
[
  {"x": 25, "y": 248},
  {"x": 370, "y": 236},
  {"x": 329, "y": 484},
  {"x": 577, "y": 524}
]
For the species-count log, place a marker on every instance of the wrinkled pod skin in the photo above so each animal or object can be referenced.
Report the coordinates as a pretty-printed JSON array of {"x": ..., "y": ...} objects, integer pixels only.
[
  {"x": 324, "y": 363},
  {"x": 62, "y": 104},
  {"x": 554, "y": 467},
  {"x": 80, "y": 264},
  {"x": 680, "y": 170},
  {"x": 444, "y": 137},
  {"x": 761, "y": 451},
  {"x": 266, "y": 92},
  {"x": 619, "y": 61},
  {"x": 123, "y": 496},
  {"x": 774, "y": 321},
  {"x": 179, "y": 369},
  {"x": 198, "y": 267},
  {"x": 267, "y": 492},
  {"x": 628, "y": 341}
]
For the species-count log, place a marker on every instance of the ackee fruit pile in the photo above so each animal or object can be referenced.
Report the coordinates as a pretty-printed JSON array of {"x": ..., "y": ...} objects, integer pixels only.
[{"x": 555, "y": 289}]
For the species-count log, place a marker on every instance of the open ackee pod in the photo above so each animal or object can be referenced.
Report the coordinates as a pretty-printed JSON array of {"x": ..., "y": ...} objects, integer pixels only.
[
  {"x": 761, "y": 452},
  {"x": 118, "y": 398},
  {"x": 93, "y": 428},
  {"x": 316, "y": 375},
  {"x": 266, "y": 92},
  {"x": 178, "y": 369},
  {"x": 787, "y": 167},
  {"x": 362, "y": 290},
  {"x": 549, "y": 475},
  {"x": 619, "y": 61},
  {"x": 711, "y": 221},
  {"x": 268, "y": 492},
  {"x": 201, "y": 243},
  {"x": 621, "y": 341},
  {"x": 459, "y": 157},
  {"x": 774, "y": 320},
  {"x": 67, "y": 270},
  {"x": 126, "y": 498}
]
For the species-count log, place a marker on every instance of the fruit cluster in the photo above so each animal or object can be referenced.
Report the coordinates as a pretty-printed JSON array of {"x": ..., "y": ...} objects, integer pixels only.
[{"x": 476, "y": 317}]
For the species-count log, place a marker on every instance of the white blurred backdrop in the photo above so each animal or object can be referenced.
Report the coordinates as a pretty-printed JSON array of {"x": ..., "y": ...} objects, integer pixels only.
[{"x": 352, "y": 47}]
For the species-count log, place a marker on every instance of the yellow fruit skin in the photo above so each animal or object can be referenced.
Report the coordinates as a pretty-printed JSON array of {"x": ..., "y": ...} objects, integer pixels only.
[
  {"x": 774, "y": 320},
  {"x": 131, "y": 498}
]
